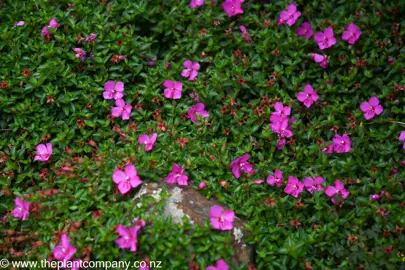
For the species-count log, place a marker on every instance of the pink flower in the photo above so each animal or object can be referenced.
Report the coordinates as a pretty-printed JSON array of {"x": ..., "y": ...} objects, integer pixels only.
[
  {"x": 43, "y": 152},
  {"x": 173, "y": 89},
  {"x": 112, "y": 90},
  {"x": 22, "y": 209},
  {"x": 232, "y": 7},
  {"x": 148, "y": 142},
  {"x": 313, "y": 184},
  {"x": 321, "y": 59},
  {"x": 371, "y": 108},
  {"x": 282, "y": 128},
  {"x": 20, "y": 23},
  {"x": 122, "y": 109},
  {"x": 177, "y": 176},
  {"x": 352, "y": 34},
  {"x": 294, "y": 187},
  {"x": 191, "y": 70},
  {"x": 202, "y": 185},
  {"x": 329, "y": 149},
  {"x": 277, "y": 179},
  {"x": 80, "y": 53},
  {"x": 128, "y": 237},
  {"x": 197, "y": 110},
  {"x": 289, "y": 16},
  {"x": 241, "y": 164},
  {"x": 305, "y": 30},
  {"x": 376, "y": 197},
  {"x": 126, "y": 179},
  {"x": 338, "y": 189},
  {"x": 220, "y": 219},
  {"x": 341, "y": 143},
  {"x": 220, "y": 265},
  {"x": 53, "y": 23},
  {"x": 308, "y": 97},
  {"x": 91, "y": 38},
  {"x": 45, "y": 31},
  {"x": 280, "y": 111},
  {"x": 121, "y": 58},
  {"x": 258, "y": 182},
  {"x": 401, "y": 138},
  {"x": 325, "y": 39},
  {"x": 65, "y": 250},
  {"x": 245, "y": 34},
  {"x": 195, "y": 3}
]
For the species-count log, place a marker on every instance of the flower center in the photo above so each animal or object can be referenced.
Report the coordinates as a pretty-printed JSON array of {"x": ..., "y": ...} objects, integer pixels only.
[
  {"x": 342, "y": 142},
  {"x": 127, "y": 178}
]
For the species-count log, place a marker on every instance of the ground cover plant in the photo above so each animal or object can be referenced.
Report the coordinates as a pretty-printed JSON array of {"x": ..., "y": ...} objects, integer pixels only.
[{"x": 290, "y": 113}]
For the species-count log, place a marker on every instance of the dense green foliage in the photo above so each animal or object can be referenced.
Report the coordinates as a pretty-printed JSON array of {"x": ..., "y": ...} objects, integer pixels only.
[{"x": 61, "y": 101}]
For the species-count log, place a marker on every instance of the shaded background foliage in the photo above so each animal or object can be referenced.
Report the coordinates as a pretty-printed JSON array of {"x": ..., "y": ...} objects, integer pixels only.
[{"x": 84, "y": 202}]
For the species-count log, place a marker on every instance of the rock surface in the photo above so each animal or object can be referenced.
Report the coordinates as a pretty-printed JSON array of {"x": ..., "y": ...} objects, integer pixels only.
[{"x": 186, "y": 201}]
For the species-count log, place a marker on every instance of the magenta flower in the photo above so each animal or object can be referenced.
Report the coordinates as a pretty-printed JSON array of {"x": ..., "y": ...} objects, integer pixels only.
[
  {"x": 20, "y": 23},
  {"x": 128, "y": 237},
  {"x": 325, "y": 39},
  {"x": 280, "y": 111},
  {"x": 91, "y": 38},
  {"x": 289, "y": 16},
  {"x": 53, "y": 23},
  {"x": 277, "y": 179},
  {"x": 173, "y": 89},
  {"x": 202, "y": 185},
  {"x": 220, "y": 265},
  {"x": 376, "y": 197},
  {"x": 338, "y": 189},
  {"x": 65, "y": 250},
  {"x": 191, "y": 70},
  {"x": 196, "y": 3},
  {"x": 220, "y": 219},
  {"x": 43, "y": 152},
  {"x": 280, "y": 143},
  {"x": 22, "y": 209},
  {"x": 321, "y": 59},
  {"x": 313, "y": 184},
  {"x": 401, "y": 138},
  {"x": 148, "y": 142},
  {"x": 126, "y": 179},
  {"x": 112, "y": 90},
  {"x": 177, "y": 176},
  {"x": 294, "y": 187},
  {"x": 245, "y": 34},
  {"x": 282, "y": 128},
  {"x": 258, "y": 182},
  {"x": 341, "y": 143},
  {"x": 197, "y": 110},
  {"x": 232, "y": 7},
  {"x": 329, "y": 149},
  {"x": 241, "y": 164},
  {"x": 305, "y": 30},
  {"x": 80, "y": 53},
  {"x": 45, "y": 31},
  {"x": 308, "y": 97},
  {"x": 352, "y": 34},
  {"x": 122, "y": 109},
  {"x": 371, "y": 108}
]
